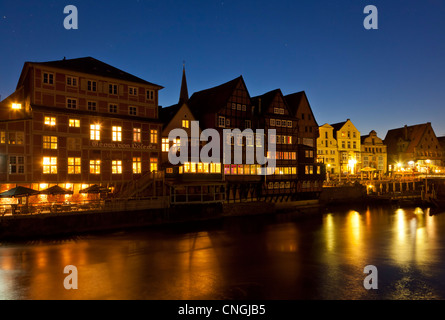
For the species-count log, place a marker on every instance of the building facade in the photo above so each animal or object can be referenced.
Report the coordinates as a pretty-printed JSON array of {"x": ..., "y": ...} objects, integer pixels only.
[
  {"x": 348, "y": 143},
  {"x": 374, "y": 153},
  {"x": 78, "y": 122},
  {"x": 414, "y": 148},
  {"x": 327, "y": 149}
]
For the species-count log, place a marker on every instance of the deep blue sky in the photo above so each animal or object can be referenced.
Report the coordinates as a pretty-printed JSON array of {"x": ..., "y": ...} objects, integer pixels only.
[{"x": 380, "y": 79}]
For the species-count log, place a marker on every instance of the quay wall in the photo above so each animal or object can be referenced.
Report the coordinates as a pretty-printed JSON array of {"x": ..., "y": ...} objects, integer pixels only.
[{"x": 72, "y": 223}]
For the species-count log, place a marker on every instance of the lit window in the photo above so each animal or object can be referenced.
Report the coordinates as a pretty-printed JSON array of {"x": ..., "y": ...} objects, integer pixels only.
[
  {"x": 153, "y": 164},
  {"x": 137, "y": 165},
  {"x": 49, "y": 142},
  {"x": 116, "y": 133},
  {"x": 74, "y": 165},
  {"x": 16, "y": 106},
  {"x": 95, "y": 166},
  {"x": 95, "y": 132},
  {"x": 136, "y": 134},
  {"x": 185, "y": 123},
  {"x": 116, "y": 166},
  {"x": 2, "y": 137},
  {"x": 153, "y": 136},
  {"x": 16, "y": 137},
  {"x": 50, "y": 121},
  {"x": 48, "y": 78},
  {"x": 74, "y": 123},
  {"x": 165, "y": 145},
  {"x": 49, "y": 165},
  {"x": 16, "y": 164}
]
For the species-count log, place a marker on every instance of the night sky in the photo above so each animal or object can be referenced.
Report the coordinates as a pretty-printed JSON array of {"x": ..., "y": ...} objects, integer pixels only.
[{"x": 380, "y": 79}]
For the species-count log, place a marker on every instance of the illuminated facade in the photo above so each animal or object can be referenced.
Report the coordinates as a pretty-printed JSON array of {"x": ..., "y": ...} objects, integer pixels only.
[
  {"x": 76, "y": 123},
  {"x": 374, "y": 154},
  {"x": 414, "y": 148},
  {"x": 348, "y": 144},
  {"x": 327, "y": 149}
]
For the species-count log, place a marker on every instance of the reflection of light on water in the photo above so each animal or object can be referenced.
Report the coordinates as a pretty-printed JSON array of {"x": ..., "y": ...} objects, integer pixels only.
[
  {"x": 354, "y": 227},
  {"x": 329, "y": 232},
  {"x": 400, "y": 219}
]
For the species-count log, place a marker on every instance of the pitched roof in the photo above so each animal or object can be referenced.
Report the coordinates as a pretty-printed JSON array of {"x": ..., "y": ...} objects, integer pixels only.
[
  {"x": 213, "y": 99},
  {"x": 337, "y": 127},
  {"x": 95, "y": 67},
  {"x": 266, "y": 100},
  {"x": 296, "y": 100},
  {"x": 412, "y": 134},
  {"x": 167, "y": 113}
]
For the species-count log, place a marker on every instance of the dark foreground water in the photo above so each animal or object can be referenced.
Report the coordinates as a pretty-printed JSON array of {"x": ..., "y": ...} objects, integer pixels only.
[{"x": 322, "y": 257}]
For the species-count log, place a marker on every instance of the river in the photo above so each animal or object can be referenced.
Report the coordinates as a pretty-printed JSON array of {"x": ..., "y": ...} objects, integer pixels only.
[{"x": 255, "y": 257}]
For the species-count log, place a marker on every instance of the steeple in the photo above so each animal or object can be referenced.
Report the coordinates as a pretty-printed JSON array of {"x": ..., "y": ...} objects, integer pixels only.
[{"x": 184, "y": 95}]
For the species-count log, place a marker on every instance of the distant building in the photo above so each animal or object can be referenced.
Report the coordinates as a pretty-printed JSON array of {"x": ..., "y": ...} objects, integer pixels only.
[
  {"x": 414, "y": 148},
  {"x": 78, "y": 122},
  {"x": 348, "y": 144},
  {"x": 374, "y": 153},
  {"x": 327, "y": 149}
]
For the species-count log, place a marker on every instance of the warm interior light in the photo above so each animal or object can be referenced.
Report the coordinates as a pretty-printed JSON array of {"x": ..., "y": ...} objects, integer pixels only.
[{"x": 16, "y": 106}]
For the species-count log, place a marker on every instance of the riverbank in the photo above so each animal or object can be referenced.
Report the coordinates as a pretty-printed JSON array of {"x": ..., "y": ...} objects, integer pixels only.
[{"x": 70, "y": 223}]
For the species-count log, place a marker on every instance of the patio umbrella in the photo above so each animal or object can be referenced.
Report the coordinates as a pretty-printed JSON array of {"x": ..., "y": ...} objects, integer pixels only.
[
  {"x": 95, "y": 189},
  {"x": 55, "y": 190},
  {"x": 18, "y": 192}
]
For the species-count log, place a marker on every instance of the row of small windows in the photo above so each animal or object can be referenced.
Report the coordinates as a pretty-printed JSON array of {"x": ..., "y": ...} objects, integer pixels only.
[
  {"x": 280, "y": 123},
  {"x": 50, "y": 165},
  {"x": 287, "y": 184},
  {"x": 71, "y": 103},
  {"x": 95, "y": 132},
  {"x": 12, "y": 137},
  {"x": 92, "y": 86}
]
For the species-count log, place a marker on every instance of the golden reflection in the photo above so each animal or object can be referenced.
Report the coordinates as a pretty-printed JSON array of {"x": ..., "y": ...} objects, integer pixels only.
[
  {"x": 197, "y": 269},
  {"x": 329, "y": 232},
  {"x": 354, "y": 227},
  {"x": 400, "y": 222}
]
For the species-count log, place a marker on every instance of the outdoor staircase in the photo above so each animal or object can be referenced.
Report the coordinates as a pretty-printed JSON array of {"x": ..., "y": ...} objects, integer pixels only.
[{"x": 140, "y": 187}]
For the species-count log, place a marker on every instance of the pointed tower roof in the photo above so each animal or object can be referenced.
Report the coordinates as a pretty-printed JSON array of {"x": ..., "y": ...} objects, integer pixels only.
[{"x": 184, "y": 94}]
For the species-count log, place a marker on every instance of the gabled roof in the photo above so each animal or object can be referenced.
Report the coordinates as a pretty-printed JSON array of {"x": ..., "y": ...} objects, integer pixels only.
[
  {"x": 213, "y": 99},
  {"x": 167, "y": 113},
  {"x": 266, "y": 101},
  {"x": 412, "y": 134},
  {"x": 91, "y": 66},
  {"x": 296, "y": 100},
  {"x": 337, "y": 127}
]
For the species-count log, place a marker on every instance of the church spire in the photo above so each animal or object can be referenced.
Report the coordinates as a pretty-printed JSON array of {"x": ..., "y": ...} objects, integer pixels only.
[{"x": 184, "y": 95}]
